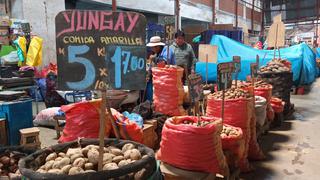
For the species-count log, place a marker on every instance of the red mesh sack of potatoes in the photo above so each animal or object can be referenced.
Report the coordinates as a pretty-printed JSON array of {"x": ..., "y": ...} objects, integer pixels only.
[
  {"x": 193, "y": 145},
  {"x": 232, "y": 142},
  {"x": 237, "y": 112},
  {"x": 82, "y": 120},
  {"x": 168, "y": 90},
  {"x": 277, "y": 104},
  {"x": 255, "y": 152},
  {"x": 265, "y": 90}
]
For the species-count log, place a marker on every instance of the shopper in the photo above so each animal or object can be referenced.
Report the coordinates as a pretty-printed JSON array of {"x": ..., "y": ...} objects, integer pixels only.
[
  {"x": 160, "y": 53},
  {"x": 183, "y": 52}
]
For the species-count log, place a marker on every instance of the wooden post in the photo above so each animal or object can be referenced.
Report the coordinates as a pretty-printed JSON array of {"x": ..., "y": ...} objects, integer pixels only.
[
  {"x": 102, "y": 127},
  {"x": 114, "y": 5},
  {"x": 206, "y": 69},
  {"x": 222, "y": 105},
  {"x": 252, "y": 20},
  {"x": 236, "y": 13},
  {"x": 275, "y": 45}
]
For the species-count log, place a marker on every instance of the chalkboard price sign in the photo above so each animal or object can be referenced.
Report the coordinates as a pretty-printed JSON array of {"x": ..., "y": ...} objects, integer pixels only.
[
  {"x": 224, "y": 79},
  {"x": 81, "y": 40},
  {"x": 195, "y": 87},
  {"x": 237, "y": 63},
  {"x": 254, "y": 70},
  {"x": 126, "y": 66}
]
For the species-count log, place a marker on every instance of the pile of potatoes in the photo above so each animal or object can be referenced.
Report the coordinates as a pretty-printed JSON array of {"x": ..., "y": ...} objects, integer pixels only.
[
  {"x": 85, "y": 160},
  {"x": 197, "y": 124},
  {"x": 9, "y": 164},
  {"x": 274, "y": 66},
  {"x": 261, "y": 84},
  {"x": 231, "y": 93},
  {"x": 240, "y": 84},
  {"x": 229, "y": 131}
]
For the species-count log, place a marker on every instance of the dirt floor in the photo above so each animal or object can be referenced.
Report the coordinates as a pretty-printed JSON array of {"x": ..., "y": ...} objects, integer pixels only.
[{"x": 292, "y": 150}]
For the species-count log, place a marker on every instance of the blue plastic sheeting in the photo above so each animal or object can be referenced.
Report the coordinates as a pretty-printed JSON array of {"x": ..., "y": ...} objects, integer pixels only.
[
  {"x": 317, "y": 52},
  {"x": 301, "y": 57}
]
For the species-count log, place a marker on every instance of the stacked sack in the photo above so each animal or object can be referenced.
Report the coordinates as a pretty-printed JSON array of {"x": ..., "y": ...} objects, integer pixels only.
[
  {"x": 168, "y": 90},
  {"x": 260, "y": 110},
  {"x": 237, "y": 112},
  {"x": 265, "y": 90},
  {"x": 278, "y": 73},
  {"x": 193, "y": 144}
]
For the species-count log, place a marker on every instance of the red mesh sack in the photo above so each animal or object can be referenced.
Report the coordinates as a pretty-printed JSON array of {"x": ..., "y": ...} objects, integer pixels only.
[
  {"x": 237, "y": 113},
  {"x": 82, "y": 120},
  {"x": 264, "y": 92},
  {"x": 233, "y": 144},
  {"x": 191, "y": 147},
  {"x": 128, "y": 129},
  {"x": 277, "y": 105},
  {"x": 168, "y": 90}
]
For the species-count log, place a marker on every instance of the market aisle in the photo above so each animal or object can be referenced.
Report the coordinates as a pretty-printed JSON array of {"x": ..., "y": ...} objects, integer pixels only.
[{"x": 293, "y": 149}]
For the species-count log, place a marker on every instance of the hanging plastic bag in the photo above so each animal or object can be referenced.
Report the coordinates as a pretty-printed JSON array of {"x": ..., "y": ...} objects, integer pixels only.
[
  {"x": 34, "y": 55},
  {"x": 21, "y": 44},
  {"x": 134, "y": 117}
]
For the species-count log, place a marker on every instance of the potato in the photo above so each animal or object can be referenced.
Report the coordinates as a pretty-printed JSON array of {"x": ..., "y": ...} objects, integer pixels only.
[
  {"x": 72, "y": 151},
  {"x": 48, "y": 165},
  {"x": 1, "y": 165},
  {"x": 89, "y": 171},
  {"x": 144, "y": 156},
  {"x": 139, "y": 175},
  {"x": 116, "y": 151},
  {"x": 43, "y": 167},
  {"x": 64, "y": 161},
  {"x": 65, "y": 169},
  {"x": 41, "y": 171},
  {"x": 117, "y": 159},
  {"x": 75, "y": 170},
  {"x": 17, "y": 171},
  {"x": 79, "y": 162},
  {"x": 75, "y": 156},
  {"x": 55, "y": 171},
  {"x": 110, "y": 166},
  {"x": 51, "y": 156},
  {"x": 107, "y": 158},
  {"x": 127, "y": 154},
  {"x": 5, "y": 160},
  {"x": 61, "y": 154},
  {"x": 135, "y": 154},
  {"x": 123, "y": 163},
  {"x": 93, "y": 156},
  {"x": 86, "y": 160},
  {"x": 58, "y": 159},
  {"x": 12, "y": 161},
  {"x": 56, "y": 164},
  {"x": 88, "y": 166}
]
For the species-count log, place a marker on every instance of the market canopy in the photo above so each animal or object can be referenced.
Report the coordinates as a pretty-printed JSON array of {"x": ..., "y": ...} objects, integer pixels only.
[{"x": 301, "y": 56}]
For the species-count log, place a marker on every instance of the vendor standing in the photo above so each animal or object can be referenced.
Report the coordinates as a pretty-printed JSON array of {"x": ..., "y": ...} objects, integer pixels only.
[
  {"x": 160, "y": 55},
  {"x": 183, "y": 52}
]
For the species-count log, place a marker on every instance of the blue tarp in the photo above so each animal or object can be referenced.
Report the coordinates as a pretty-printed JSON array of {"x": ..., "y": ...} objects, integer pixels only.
[{"x": 301, "y": 57}]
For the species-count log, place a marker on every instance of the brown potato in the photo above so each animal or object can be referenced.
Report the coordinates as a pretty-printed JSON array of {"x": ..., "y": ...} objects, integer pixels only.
[
  {"x": 107, "y": 158},
  {"x": 127, "y": 146},
  {"x": 75, "y": 170},
  {"x": 51, "y": 156},
  {"x": 93, "y": 156},
  {"x": 72, "y": 151},
  {"x": 61, "y": 154},
  {"x": 48, "y": 165},
  {"x": 88, "y": 166},
  {"x": 110, "y": 166},
  {"x": 116, "y": 151},
  {"x": 78, "y": 162},
  {"x": 117, "y": 159},
  {"x": 135, "y": 154},
  {"x": 123, "y": 163},
  {"x": 65, "y": 169},
  {"x": 75, "y": 156},
  {"x": 55, "y": 171}
]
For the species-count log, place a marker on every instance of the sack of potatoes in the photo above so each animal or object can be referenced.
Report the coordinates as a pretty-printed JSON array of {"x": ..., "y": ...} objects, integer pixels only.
[
  {"x": 120, "y": 160},
  {"x": 274, "y": 66},
  {"x": 231, "y": 93}
]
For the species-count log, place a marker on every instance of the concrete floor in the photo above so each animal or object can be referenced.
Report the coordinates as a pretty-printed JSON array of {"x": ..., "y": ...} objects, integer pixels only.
[{"x": 293, "y": 150}]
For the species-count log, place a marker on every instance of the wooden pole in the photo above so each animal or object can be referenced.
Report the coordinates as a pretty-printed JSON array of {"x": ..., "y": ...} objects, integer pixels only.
[
  {"x": 275, "y": 44},
  {"x": 222, "y": 105},
  {"x": 236, "y": 13},
  {"x": 102, "y": 127},
  {"x": 206, "y": 69},
  {"x": 252, "y": 20},
  {"x": 114, "y": 5}
]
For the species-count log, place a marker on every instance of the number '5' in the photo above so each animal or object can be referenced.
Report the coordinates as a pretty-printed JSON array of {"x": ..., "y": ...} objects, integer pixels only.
[{"x": 90, "y": 73}]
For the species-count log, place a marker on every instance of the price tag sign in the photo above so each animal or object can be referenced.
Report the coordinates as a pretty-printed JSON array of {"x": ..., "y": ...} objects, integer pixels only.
[
  {"x": 81, "y": 40},
  {"x": 254, "y": 70},
  {"x": 195, "y": 87},
  {"x": 237, "y": 63},
  {"x": 225, "y": 71},
  {"x": 126, "y": 66}
]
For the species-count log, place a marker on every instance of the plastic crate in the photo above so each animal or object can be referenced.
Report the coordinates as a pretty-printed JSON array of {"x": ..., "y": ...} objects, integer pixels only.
[{"x": 18, "y": 115}]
